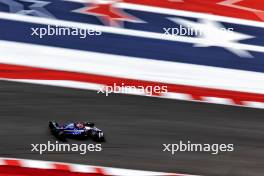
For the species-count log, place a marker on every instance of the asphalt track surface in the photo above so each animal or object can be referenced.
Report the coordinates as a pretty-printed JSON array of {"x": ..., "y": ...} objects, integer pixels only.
[{"x": 135, "y": 128}]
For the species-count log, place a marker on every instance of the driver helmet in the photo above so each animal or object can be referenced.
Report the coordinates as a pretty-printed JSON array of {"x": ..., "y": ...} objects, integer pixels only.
[{"x": 79, "y": 125}]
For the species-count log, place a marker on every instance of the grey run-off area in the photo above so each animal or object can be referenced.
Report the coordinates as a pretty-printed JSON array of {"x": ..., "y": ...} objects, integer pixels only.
[{"x": 135, "y": 129}]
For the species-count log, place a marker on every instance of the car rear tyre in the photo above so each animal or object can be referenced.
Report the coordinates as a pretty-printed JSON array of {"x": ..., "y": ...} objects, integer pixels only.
[{"x": 61, "y": 136}]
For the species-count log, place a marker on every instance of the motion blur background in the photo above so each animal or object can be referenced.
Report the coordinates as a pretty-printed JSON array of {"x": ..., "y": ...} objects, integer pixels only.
[{"x": 215, "y": 81}]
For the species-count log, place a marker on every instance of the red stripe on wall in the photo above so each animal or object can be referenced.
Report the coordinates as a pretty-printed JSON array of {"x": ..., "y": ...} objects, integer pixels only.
[
  {"x": 64, "y": 167},
  {"x": 11, "y": 162},
  {"x": 209, "y": 7}
]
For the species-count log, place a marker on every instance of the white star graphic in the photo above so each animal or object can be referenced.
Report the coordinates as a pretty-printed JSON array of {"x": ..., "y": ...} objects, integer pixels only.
[
  {"x": 215, "y": 34},
  {"x": 37, "y": 8}
]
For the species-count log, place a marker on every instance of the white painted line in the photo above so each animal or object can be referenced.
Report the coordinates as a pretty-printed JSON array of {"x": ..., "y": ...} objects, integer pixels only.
[
  {"x": 2, "y": 162},
  {"x": 259, "y": 105},
  {"x": 81, "y": 168},
  {"x": 129, "y": 172},
  {"x": 178, "y": 96},
  {"x": 60, "y": 83},
  {"x": 217, "y": 100},
  {"x": 36, "y": 164}
]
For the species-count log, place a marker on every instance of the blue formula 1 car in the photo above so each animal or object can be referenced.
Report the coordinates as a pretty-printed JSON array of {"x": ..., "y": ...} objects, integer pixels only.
[{"x": 76, "y": 130}]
